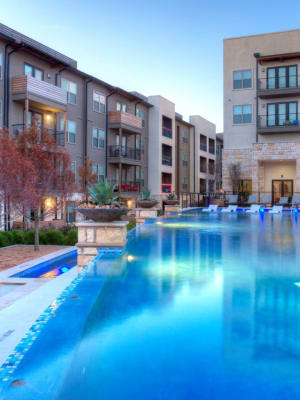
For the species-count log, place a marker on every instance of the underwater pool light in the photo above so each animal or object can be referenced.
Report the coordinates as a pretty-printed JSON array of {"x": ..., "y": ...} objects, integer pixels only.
[
  {"x": 158, "y": 223},
  {"x": 296, "y": 210},
  {"x": 130, "y": 258},
  {"x": 261, "y": 209}
]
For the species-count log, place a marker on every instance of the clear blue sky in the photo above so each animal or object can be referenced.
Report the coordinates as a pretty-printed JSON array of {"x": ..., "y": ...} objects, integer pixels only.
[{"x": 167, "y": 47}]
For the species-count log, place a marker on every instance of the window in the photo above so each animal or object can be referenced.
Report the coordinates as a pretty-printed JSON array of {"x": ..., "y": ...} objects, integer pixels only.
[
  {"x": 73, "y": 167},
  {"x": 98, "y": 102},
  {"x": 141, "y": 114},
  {"x": 71, "y": 216},
  {"x": 242, "y": 79},
  {"x": 203, "y": 142},
  {"x": 211, "y": 146},
  {"x": 211, "y": 186},
  {"x": 202, "y": 185},
  {"x": 98, "y": 138},
  {"x": 0, "y": 65},
  {"x": 70, "y": 129},
  {"x": 203, "y": 165},
  {"x": 184, "y": 183},
  {"x": 71, "y": 89},
  {"x": 184, "y": 160},
  {"x": 166, "y": 126},
  {"x": 34, "y": 72},
  {"x": 184, "y": 136},
  {"x": 282, "y": 77},
  {"x": 279, "y": 114},
  {"x": 99, "y": 171},
  {"x": 242, "y": 114},
  {"x": 121, "y": 106}
]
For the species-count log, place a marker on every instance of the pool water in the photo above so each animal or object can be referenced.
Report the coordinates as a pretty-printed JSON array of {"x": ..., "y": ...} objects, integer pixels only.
[
  {"x": 51, "y": 268},
  {"x": 198, "y": 307}
]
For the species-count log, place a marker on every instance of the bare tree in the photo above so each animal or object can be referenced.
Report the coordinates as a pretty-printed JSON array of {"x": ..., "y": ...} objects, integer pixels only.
[{"x": 235, "y": 176}]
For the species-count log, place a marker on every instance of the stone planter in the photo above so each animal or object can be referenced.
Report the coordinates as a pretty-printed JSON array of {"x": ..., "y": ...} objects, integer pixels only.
[
  {"x": 92, "y": 235},
  {"x": 141, "y": 214},
  {"x": 103, "y": 214},
  {"x": 171, "y": 202},
  {"x": 146, "y": 203}
]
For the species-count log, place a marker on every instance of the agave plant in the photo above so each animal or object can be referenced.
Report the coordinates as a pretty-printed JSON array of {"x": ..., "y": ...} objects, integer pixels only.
[
  {"x": 104, "y": 194},
  {"x": 171, "y": 196},
  {"x": 146, "y": 194}
]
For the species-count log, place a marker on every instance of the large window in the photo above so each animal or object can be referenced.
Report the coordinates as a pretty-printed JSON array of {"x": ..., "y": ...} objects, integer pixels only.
[
  {"x": 98, "y": 169},
  {"x": 282, "y": 77},
  {"x": 282, "y": 114},
  {"x": 185, "y": 160},
  {"x": 70, "y": 129},
  {"x": 34, "y": 72},
  {"x": 141, "y": 113},
  {"x": 242, "y": 114},
  {"x": 184, "y": 183},
  {"x": 121, "y": 106},
  {"x": 242, "y": 79},
  {"x": 98, "y": 138},
  {"x": 98, "y": 102},
  {"x": 184, "y": 136},
  {"x": 71, "y": 89}
]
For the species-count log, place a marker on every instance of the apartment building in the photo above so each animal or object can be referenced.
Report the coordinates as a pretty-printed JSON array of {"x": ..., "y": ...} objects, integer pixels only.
[{"x": 261, "y": 118}]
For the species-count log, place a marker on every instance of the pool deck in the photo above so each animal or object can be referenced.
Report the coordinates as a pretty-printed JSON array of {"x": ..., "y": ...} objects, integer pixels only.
[{"x": 16, "y": 311}]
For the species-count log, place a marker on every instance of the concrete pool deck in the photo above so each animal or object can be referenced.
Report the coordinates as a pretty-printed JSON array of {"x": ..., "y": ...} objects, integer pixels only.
[{"x": 17, "y": 313}]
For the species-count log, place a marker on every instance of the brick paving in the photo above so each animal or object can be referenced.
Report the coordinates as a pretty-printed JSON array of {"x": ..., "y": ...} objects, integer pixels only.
[{"x": 15, "y": 255}]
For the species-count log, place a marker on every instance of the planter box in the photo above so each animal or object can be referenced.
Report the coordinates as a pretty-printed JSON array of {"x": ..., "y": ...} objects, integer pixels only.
[
  {"x": 92, "y": 235},
  {"x": 141, "y": 214}
]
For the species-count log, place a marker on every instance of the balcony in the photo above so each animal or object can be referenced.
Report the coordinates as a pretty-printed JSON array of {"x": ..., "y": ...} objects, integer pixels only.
[
  {"x": 128, "y": 186},
  {"x": 59, "y": 136},
  {"x": 126, "y": 155},
  {"x": 277, "y": 124},
  {"x": 166, "y": 160},
  {"x": 274, "y": 88},
  {"x": 203, "y": 147},
  {"x": 125, "y": 120},
  {"x": 42, "y": 94},
  {"x": 167, "y": 132}
]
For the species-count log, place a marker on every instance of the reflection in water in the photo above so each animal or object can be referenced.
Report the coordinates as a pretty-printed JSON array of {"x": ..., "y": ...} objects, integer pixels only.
[{"x": 201, "y": 307}]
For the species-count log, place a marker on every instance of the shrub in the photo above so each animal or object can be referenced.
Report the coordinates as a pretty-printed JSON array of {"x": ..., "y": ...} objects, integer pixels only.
[
  {"x": 65, "y": 229},
  {"x": 131, "y": 225},
  {"x": 17, "y": 236},
  {"x": 3, "y": 239},
  {"x": 53, "y": 236},
  {"x": 72, "y": 237},
  {"x": 29, "y": 237}
]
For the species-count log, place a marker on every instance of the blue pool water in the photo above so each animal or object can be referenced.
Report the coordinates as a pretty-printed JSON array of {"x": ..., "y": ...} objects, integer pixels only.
[
  {"x": 51, "y": 268},
  {"x": 200, "y": 307}
]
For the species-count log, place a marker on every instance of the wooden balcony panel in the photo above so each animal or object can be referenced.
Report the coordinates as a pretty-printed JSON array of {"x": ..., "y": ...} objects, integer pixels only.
[
  {"x": 121, "y": 118},
  {"x": 28, "y": 85}
]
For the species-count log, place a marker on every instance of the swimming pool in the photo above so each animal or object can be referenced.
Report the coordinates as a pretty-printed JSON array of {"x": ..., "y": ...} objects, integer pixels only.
[
  {"x": 50, "y": 268},
  {"x": 198, "y": 307}
]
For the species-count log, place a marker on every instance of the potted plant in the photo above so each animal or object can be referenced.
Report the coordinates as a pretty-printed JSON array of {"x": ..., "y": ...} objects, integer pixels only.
[
  {"x": 105, "y": 206},
  {"x": 171, "y": 199},
  {"x": 146, "y": 201}
]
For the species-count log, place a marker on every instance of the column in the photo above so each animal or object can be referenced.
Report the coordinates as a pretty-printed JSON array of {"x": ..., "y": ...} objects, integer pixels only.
[
  {"x": 26, "y": 112},
  {"x": 65, "y": 127}
]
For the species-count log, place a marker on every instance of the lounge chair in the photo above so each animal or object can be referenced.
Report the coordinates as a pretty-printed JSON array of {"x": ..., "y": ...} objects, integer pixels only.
[
  {"x": 295, "y": 200},
  {"x": 211, "y": 208},
  {"x": 252, "y": 199},
  {"x": 266, "y": 199},
  {"x": 230, "y": 208},
  {"x": 254, "y": 208},
  {"x": 283, "y": 201},
  {"x": 276, "y": 210}
]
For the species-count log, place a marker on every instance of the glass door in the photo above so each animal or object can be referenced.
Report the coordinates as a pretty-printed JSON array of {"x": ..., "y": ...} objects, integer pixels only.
[
  {"x": 271, "y": 115},
  {"x": 124, "y": 146},
  {"x": 282, "y": 188}
]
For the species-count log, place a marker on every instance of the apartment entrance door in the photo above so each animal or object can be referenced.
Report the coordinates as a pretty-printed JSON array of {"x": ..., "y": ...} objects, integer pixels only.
[{"x": 282, "y": 188}]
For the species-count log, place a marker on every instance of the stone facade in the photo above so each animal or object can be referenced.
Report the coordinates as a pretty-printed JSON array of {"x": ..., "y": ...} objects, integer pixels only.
[{"x": 253, "y": 162}]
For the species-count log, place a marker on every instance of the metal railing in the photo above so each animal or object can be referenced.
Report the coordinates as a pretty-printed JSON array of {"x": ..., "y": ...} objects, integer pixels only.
[
  {"x": 203, "y": 147},
  {"x": 279, "y": 120},
  {"x": 124, "y": 152},
  {"x": 280, "y": 82},
  {"x": 128, "y": 186},
  {"x": 167, "y": 132},
  {"x": 166, "y": 160},
  {"x": 243, "y": 199},
  {"x": 59, "y": 136}
]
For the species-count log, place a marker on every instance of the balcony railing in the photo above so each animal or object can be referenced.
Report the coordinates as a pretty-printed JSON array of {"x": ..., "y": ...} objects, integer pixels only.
[
  {"x": 26, "y": 85},
  {"x": 124, "y": 152},
  {"x": 166, "y": 160},
  {"x": 203, "y": 169},
  {"x": 167, "y": 132},
  {"x": 283, "y": 82},
  {"x": 211, "y": 149},
  {"x": 279, "y": 123},
  {"x": 125, "y": 119},
  {"x": 211, "y": 170},
  {"x": 59, "y": 136},
  {"x": 128, "y": 186},
  {"x": 203, "y": 146}
]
